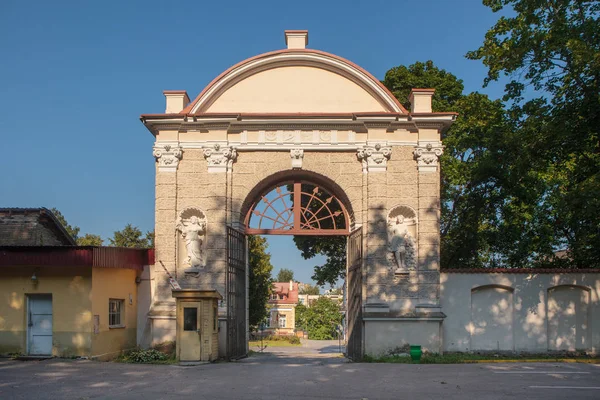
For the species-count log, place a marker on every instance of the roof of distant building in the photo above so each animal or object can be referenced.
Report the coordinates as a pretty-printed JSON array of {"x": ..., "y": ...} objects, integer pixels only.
[{"x": 32, "y": 227}]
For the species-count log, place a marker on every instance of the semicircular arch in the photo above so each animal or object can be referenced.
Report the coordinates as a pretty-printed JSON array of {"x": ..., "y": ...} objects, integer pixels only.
[
  {"x": 297, "y": 203},
  {"x": 289, "y": 58}
]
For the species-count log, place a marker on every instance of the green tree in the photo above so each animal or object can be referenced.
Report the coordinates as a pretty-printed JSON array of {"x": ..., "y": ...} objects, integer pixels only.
[
  {"x": 333, "y": 248},
  {"x": 260, "y": 282},
  {"x": 71, "y": 230},
  {"x": 549, "y": 51},
  {"x": 130, "y": 236},
  {"x": 307, "y": 288},
  {"x": 285, "y": 275},
  {"x": 89, "y": 240},
  {"x": 320, "y": 319}
]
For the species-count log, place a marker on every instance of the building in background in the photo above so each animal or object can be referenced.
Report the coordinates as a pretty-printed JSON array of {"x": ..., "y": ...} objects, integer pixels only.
[{"x": 282, "y": 308}]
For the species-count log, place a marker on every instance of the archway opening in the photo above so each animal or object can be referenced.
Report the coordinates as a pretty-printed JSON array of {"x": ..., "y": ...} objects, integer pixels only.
[{"x": 314, "y": 213}]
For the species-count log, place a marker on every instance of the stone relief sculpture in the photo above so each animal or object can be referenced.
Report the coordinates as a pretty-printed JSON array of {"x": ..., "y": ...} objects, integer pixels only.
[
  {"x": 192, "y": 225},
  {"x": 402, "y": 255}
]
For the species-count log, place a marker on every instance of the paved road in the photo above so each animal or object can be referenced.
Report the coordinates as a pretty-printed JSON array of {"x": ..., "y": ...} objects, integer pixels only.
[
  {"x": 293, "y": 376},
  {"x": 309, "y": 348}
]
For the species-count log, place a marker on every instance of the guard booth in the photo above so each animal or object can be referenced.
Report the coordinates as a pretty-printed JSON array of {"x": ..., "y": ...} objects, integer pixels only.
[{"x": 197, "y": 324}]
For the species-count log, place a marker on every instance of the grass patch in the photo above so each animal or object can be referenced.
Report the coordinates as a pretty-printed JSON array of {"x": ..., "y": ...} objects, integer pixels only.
[
  {"x": 465, "y": 358},
  {"x": 163, "y": 353},
  {"x": 271, "y": 343}
]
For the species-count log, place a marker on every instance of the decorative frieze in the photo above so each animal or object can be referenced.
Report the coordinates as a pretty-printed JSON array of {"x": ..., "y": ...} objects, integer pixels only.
[
  {"x": 167, "y": 156},
  {"x": 297, "y": 156},
  {"x": 220, "y": 159},
  {"x": 374, "y": 158},
  {"x": 428, "y": 156}
]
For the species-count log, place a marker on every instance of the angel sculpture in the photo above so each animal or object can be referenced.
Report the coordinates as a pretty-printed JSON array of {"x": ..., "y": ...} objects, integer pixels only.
[
  {"x": 192, "y": 230},
  {"x": 401, "y": 244}
]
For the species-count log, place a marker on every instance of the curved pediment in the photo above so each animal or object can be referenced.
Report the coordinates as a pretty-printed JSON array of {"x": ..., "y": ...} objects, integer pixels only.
[{"x": 295, "y": 81}]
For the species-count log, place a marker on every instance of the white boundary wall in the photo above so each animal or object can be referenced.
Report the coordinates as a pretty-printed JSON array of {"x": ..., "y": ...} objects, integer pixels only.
[{"x": 522, "y": 312}]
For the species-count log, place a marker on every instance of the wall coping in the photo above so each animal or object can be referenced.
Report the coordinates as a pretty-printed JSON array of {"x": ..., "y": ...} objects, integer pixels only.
[{"x": 519, "y": 271}]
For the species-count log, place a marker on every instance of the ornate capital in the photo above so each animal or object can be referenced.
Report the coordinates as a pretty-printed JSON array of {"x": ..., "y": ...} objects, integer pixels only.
[
  {"x": 297, "y": 155},
  {"x": 220, "y": 159},
  {"x": 167, "y": 156},
  {"x": 427, "y": 156},
  {"x": 374, "y": 158}
]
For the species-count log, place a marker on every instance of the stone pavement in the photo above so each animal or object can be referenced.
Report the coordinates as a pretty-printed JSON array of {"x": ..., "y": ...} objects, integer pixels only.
[{"x": 305, "y": 375}]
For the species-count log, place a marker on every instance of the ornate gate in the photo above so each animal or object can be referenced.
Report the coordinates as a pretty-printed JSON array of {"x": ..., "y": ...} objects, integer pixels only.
[
  {"x": 236, "y": 294},
  {"x": 354, "y": 348}
]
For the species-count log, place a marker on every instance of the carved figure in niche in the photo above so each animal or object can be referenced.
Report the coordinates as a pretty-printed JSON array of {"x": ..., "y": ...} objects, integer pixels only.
[
  {"x": 401, "y": 245},
  {"x": 192, "y": 225}
]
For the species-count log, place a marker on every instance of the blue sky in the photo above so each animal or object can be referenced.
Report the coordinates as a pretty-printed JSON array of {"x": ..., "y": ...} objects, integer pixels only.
[{"x": 76, "y": 75}]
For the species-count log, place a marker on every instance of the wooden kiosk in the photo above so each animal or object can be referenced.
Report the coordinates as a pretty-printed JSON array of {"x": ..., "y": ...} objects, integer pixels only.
[{"x": 197, "y": 324}]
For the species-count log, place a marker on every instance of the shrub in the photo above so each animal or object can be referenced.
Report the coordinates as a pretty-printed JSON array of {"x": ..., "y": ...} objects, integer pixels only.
[{"x": 145, "y": 356}]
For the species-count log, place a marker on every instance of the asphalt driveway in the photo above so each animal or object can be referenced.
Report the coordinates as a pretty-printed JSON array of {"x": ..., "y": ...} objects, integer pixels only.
[{"x": 289, "y": 376}]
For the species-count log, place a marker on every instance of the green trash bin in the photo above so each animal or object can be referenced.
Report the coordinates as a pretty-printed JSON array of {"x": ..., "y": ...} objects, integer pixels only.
[{"x": 415, "y": 353}]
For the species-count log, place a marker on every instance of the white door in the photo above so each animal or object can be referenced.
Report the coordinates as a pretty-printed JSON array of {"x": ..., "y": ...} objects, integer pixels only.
[{"x": 39, "y": 324}]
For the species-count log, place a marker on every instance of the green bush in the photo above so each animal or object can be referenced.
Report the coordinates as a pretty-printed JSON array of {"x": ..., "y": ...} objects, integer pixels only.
[
  {"x": 145, "y": 356},
  {"x": 294, "y": 340}
]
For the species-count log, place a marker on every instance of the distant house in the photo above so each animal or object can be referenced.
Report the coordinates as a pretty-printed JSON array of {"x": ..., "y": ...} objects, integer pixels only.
[
  {"x": 59, "y": 299},
  {"x": 282, "y": 308}
]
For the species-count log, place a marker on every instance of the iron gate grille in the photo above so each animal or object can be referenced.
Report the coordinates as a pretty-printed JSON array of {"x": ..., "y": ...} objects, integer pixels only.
[
  {"x": 354, "y": 348},
  {"x": 236, "y": 294}
]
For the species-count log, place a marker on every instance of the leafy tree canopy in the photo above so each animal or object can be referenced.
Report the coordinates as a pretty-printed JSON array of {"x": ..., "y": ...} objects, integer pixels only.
[
  {"x": 320, "y": 319},
  {"x": 90, "y": 240},
  {"x": 131, "y": 236},
  {"x": 71, "y": 230},
  {"x": 285, "y": 275},
  {"x": 307, "y": 288},
  {"x": 549, "y": 51},
  {"x": 260, "y": 282}
]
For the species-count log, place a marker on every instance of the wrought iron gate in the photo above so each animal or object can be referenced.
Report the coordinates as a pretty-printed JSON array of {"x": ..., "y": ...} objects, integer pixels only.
[
  {"x": 354, "y": 347},
  {"x": 236, "y": 294}
]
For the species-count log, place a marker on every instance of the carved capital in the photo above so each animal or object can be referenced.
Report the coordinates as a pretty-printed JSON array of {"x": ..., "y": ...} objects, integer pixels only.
[
  {"x": 297, "y": 155},
  {"x": 374, "y": 158},
  {"x": 428, "y": 155},
  {"x": 220, "y": 159},
  {"x": 167, "y": 156}
]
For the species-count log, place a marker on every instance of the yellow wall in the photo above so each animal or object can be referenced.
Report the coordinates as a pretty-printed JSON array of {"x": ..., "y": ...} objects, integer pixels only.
[
  {"x": 113, "y": 283},
  {"x": 71, "y": 303},
  {"x": 290, "y": 319}
]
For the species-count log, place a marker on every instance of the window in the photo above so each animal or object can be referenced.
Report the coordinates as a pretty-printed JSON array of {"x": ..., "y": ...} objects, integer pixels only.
[
  {"x": 301, "y": 300},
  {"x": 272, "y": 319},
  {"x": 190, "y": 318},
  {"x": 274, "y": 296},
  {"x": 116, "y": 311},
  {"x": 282, "y": 321},
  {"x": 281, "y": 297}
]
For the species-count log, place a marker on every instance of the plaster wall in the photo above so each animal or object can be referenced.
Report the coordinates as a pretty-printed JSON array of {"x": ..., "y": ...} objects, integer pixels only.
[
  {"x": 294, "y": 88},
  {"x": 385, "y": 336},
  {"x": 114, "y": 283},
  {"x": 71, "y": 290},
  {"x": 521, "y": 311}
]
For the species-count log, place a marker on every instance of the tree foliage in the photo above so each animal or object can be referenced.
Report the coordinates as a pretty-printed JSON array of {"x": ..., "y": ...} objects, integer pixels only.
[
  {"x": 550, "y": 52},
  {"x": 307, "y": 288},
  {"x": 90, "y": 240},
  {"x": 260, "y": 282},
  {"x": 285, "y": 275},
  {"x": 71, "y": 230},
  {"x": 131, "y": 236},
  {"x": 320, "y": 319},
  {"x": 332, "y": 247}
]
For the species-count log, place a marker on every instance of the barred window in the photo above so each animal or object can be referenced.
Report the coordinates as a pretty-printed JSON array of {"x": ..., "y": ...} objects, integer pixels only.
[{"x": 116, "y": 309}]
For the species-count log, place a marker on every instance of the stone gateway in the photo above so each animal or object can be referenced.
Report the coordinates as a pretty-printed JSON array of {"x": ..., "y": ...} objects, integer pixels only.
[
  {"x": 302, "y": 142},
  {"x": 351, "y": 157}
]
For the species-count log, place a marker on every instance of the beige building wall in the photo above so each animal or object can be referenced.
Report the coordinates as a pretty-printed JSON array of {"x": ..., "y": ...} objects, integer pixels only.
[
  {"x": 523, "y": 312},
  {"x": 71, "y": 289},
  {"x": 119, "y": 284}
]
